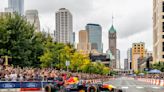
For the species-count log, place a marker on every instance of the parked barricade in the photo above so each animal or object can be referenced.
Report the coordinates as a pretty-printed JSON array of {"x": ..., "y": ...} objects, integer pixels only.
[
  {"x": 162, "y": 83},
  {"x": 23, "y": 86},
  {"x": 153, "y": 81}
]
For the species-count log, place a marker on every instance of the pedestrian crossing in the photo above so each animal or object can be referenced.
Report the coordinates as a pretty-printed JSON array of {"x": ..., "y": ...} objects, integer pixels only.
[
  {"x": 132, "y": 85},
  {"x": 138, "y": 87}
]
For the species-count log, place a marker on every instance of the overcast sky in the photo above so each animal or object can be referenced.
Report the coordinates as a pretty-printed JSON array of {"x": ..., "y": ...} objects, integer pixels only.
[{"x": 132, "y": 18}]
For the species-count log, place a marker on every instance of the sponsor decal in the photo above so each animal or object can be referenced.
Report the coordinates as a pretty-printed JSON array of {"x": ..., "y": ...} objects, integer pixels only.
[
  {"x": 8, "y": 85},
  {"x": 31, "y": 85}
]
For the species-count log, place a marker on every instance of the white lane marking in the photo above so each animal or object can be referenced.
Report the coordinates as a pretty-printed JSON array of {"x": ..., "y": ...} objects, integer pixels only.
[
  {"x": 139, "y": 87},
  {"x": 124, "y": 87},
  {"x": 156, "y": 87}
]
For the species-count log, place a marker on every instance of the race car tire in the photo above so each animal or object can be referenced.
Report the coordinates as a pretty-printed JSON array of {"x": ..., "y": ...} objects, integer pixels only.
[
  {"x": 48, "y": 88},
  {"x": 92, "y": 89}
]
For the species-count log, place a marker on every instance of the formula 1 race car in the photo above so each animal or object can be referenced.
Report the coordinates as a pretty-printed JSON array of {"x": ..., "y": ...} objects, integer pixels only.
[
  {"x": 83, "y": 88},
  {"x": 75, "y": 85}
]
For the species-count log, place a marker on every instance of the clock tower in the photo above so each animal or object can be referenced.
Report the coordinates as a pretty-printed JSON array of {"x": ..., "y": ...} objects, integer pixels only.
[{"x": 113, "y": 45}]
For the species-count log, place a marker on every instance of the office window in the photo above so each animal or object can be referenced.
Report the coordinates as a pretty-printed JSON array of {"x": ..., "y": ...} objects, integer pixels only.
[
  {"x": 163, "y": 6},
  {"x": 163, "y": 46},
  {"x": 163, "y": 26}
]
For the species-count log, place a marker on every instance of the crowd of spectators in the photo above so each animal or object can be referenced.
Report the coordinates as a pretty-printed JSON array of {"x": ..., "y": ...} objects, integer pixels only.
[
  {"x": 153, "y": 76},
  {"x": 42, "y": 74}
]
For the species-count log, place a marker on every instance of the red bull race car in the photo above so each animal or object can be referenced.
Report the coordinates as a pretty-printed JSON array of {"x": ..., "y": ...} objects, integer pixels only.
[{"x": 74, "y": 85}]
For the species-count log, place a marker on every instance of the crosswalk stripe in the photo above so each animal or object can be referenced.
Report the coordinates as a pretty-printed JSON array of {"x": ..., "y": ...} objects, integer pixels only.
[
  {"x": 124, "y": 87},
  {"x": 139, "y": 87},
  {"x": 155, "y": 87}
]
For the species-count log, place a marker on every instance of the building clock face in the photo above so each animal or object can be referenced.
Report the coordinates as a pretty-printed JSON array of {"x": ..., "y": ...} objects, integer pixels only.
[{"x": 112, "y": 36}]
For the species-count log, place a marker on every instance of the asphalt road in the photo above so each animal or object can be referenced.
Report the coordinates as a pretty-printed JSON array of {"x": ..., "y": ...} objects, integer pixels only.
[{"x": 131, "y": 85}]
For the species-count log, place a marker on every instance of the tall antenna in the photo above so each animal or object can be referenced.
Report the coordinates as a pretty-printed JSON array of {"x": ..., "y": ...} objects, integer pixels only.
[{"x": 112, "y": 19}]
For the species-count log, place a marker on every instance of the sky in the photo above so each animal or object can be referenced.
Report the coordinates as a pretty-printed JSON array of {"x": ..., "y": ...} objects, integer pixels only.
[{"x": 132, "y": 18}]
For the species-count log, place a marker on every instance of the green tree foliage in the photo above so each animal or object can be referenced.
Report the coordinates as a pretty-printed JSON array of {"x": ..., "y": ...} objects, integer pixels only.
[
  {"x": 96, "y": 68},
  {"x": 159, "y": 66},
  {"x": 17, "y": 39}
]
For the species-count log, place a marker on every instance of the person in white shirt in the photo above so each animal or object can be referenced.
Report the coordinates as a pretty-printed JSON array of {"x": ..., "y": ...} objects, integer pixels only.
[
  {"x": 6, "y": 77},
  {"x": 13, "y": 76}
]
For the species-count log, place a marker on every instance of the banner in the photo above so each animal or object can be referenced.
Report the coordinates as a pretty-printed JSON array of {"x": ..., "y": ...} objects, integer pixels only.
[
  {"x": 7, "y": 85},
  {"x": 30, "y": 85}
]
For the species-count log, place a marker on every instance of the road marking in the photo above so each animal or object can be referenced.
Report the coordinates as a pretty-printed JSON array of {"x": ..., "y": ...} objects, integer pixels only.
[
  {"x": 124, "y": 87},
  {"x": 139, "y": 87},
  {"x": 155, "y": 87}
]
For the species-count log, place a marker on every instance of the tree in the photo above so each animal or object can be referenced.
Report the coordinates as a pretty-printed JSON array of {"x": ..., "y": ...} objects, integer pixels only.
[
  {"x": 18, "y": 40},
  {"x": 158, "y": 65},
  {"x": 78, "y": 61}
]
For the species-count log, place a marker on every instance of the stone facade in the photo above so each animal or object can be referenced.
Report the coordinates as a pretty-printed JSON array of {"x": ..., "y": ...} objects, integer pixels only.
[{"x": 113, "y": 45}]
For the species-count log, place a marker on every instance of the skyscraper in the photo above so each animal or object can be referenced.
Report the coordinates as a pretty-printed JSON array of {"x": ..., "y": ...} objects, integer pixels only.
[
  {"x": 74, "y": 40},
  {"x": 64, "y": 26},
  {"x": 138, "y": 51},
  {"x": 113, "y": 44},
  {"x": 15, "y": 6},
  {"x": 83, "y": 46},
  {"x": 95, "y": 36},
  {"x": 129, "y": 57},
  {"x": 33, "y": 18},
  {"x": 125, "y": 64},
  {"x": 158, "y": 31},
  {"x": 118, "y": 65}
]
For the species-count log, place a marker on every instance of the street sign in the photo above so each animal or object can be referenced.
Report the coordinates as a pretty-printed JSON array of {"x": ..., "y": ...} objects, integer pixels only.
[{"x": 67, "y": 63}]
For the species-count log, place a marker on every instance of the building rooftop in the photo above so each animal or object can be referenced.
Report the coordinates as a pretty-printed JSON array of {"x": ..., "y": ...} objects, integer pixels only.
[
  {"x": 112, "y": 29},
  {"x": 93, "y": 24}
]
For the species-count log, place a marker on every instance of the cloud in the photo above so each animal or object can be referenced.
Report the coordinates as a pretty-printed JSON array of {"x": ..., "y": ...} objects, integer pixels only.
[
  {"x": 136, "y": 23},
  {"x": 138, "y": 18},
  {"x": 49, "y": 6}
]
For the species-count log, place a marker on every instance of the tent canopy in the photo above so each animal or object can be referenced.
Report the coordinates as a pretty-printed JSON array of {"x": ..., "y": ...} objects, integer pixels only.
[{"x": 155, "y": 71}]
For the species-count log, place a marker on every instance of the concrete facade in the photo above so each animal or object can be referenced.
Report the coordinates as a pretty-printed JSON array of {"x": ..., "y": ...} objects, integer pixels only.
[
  {"x": 158, "y": 31},
  {"x": 125, "y": 64},
  {"x": 138, "y": 51},
  {"x": 129, "y": 57},
  {"x": 32, "y": 17},
  {"x": 118, "y": 65},
  {"x": 84, "y": 46},
  {"x": 64, "y": 26},
  {"x": 113, "y": 44}
]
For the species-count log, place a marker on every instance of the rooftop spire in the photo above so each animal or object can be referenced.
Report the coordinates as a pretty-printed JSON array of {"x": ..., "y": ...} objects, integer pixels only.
[
  {"x": 112, "y": 19},
  {"x": 112, "y": 29}
]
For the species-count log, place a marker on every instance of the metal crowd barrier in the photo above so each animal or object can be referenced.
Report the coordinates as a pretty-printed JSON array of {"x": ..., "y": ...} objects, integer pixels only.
[
  {"x": 23, "y": 86},
  {"x": 28, "y": 84}
]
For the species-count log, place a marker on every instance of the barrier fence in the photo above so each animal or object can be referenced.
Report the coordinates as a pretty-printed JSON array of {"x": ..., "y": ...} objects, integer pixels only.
[
  {"x": 6, "y": 85},
  {"x": 36, "y": 86},
  {"x": 22, "y": 86},
  {"x": 159, "y": 82}
]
